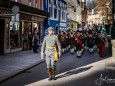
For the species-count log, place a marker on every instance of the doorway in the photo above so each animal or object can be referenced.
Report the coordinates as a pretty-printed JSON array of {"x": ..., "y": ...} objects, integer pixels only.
[{"x": 2, "y": 31}]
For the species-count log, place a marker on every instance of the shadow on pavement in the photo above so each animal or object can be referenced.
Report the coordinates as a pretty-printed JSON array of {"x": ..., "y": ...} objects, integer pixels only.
[{"x": 74, "y": 71}]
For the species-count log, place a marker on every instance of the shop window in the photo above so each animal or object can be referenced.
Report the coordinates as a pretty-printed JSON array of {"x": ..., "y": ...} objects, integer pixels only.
[
  {"x": 7, "y": 36},
  {"x": 26, "y": 32},
  {"x": 14, "y": 35}
]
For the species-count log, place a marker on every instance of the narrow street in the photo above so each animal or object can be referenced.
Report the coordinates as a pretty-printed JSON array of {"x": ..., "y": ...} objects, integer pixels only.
[
  {"x": 30, "y": 29},
  {"x": 71, "y": 71}
]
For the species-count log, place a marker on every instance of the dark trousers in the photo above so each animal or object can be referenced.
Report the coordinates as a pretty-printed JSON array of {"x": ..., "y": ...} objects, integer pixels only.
[
  {"x": 101, "y": 50},
  {"x": 30, "y": 45},
  {"x": 35, "y": 48}
]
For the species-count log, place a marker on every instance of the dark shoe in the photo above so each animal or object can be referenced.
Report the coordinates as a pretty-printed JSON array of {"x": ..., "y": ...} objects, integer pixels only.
[
  {"x": 91, "y": 52},
  {"x": 78, "y": 56},
  {"x": 36, "y": 51}
]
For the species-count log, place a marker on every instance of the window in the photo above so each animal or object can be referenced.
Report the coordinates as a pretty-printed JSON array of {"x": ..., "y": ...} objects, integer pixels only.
[
  {"x": 30, "y": 3},
  {"x": 14, "y": 35},
  {"x": 78, "y": 2},
  {"x": 57, "y": 8},
  {"x": 49, "y": 1},
  {"x": 82, "y": 4},
  {"x": 55, "y": 2},
  {"x": 65, "y": 12},
  {"x": 60, "y": 10},
  {"x": 36, "y": 3},
  {"x": 51, "y": 11},
  {"x": 46, "y": 3}
]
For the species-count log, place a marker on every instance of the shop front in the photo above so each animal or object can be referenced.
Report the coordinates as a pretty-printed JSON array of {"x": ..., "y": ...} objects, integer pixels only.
[
  {"x": 14, "y": 33},
  {"x": 31, "y": 24}
]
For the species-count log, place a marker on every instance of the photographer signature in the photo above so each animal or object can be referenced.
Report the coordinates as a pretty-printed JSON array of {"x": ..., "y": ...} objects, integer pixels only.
[{"x": 104, "y": 79}]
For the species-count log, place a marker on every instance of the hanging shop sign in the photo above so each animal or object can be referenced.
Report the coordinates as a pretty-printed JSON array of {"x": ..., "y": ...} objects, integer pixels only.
[
  {"x": 63, "y": 24},
  {"x": 36, "y": 18},
  {"x": 15, "y": 10}
]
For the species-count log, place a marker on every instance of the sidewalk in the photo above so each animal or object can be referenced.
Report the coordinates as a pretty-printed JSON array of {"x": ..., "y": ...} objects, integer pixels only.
[{"x": 12, "y": 64}]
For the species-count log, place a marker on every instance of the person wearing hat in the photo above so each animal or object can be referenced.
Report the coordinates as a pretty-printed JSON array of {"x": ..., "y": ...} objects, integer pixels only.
[
  {"x": 78, "y": 44},
  {"x": 90, "y": 43},
  {"x": 48, "y": 49}
]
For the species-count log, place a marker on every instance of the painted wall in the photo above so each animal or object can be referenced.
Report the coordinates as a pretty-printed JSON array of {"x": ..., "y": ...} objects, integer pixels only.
[{"x": 59, "y": 12}]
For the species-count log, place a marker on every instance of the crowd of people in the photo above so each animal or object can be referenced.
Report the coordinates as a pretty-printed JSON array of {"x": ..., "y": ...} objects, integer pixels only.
[{"x": 78, "y": 41}]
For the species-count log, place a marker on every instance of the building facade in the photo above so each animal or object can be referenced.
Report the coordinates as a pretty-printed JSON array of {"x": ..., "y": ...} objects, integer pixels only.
[
  {"x": 78, "y": 11},
  {"x": 74, "y": 14},
  {"x": 58, "y": 15},
  {"x": 84, "y": 13},
  {"x": 15, "y": 29},
  {"x": 71, "y": 17}
]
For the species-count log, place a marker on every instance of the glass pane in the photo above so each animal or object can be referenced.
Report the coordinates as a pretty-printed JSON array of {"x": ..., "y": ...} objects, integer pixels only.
[
  {"x": 14, "y": 35},
  {"x": 7, "y": 36}
]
